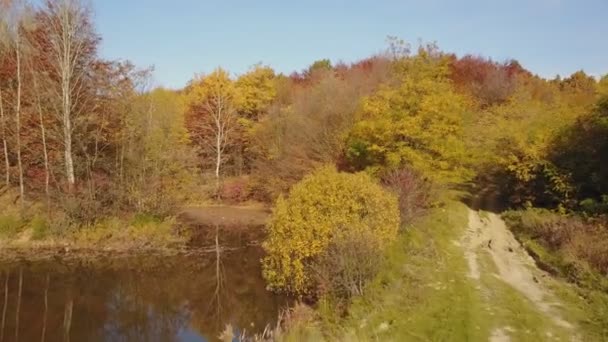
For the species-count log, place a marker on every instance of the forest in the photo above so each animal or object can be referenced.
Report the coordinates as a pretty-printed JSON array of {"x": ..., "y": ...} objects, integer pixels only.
[{"x": 349, "y": 157}]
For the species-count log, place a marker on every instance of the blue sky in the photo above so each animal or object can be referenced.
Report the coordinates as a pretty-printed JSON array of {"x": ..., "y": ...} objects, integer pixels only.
[{"x": 184, "y": 37}]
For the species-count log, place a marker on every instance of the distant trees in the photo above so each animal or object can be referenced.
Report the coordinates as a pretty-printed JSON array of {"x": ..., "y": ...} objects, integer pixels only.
[
  {"x": 416, "y": 123},
  {"x": 69, "y": 119},
  {"x": 307, "y": 124},
  {"x": 488, "y": 82}
]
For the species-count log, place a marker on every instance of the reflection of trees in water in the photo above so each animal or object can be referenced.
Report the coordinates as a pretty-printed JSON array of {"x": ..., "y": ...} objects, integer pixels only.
[{"x": 150, "y": 299}]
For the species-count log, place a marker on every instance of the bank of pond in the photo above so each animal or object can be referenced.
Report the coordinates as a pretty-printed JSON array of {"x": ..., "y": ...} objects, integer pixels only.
[{"x": 184, "y": 296}]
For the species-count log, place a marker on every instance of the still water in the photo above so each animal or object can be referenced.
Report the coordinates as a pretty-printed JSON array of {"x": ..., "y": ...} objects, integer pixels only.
[{"x": 148, "y": 298}]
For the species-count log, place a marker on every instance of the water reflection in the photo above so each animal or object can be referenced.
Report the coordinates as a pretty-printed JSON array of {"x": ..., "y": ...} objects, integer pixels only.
[{"x": 135, "y": 299}]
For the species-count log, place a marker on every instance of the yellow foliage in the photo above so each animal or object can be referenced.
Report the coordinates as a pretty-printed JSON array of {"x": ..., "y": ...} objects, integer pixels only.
[
  {"x": 418, "y": 123},
  {"x": 323, "y": 206},
  {"x": 257, "y": 90}
]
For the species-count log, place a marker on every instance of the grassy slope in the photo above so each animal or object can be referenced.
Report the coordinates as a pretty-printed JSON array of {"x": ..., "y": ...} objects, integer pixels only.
[
  {"x": 587, "y": 304},
  {"x": 424, "y": 294}
]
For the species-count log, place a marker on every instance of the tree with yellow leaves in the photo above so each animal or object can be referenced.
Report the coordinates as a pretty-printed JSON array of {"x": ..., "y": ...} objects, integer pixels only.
[
  {"x": 418, "y": 123},
  {"x": 212, "y": 114}
]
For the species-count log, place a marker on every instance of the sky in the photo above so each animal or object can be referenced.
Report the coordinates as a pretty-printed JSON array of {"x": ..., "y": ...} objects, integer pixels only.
[{"x": 181, "y": 38}]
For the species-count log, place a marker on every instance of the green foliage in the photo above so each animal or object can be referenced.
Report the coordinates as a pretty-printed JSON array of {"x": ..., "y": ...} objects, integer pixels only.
[
  {"x": 40, "y": 227},
  {"x": 325, "y": 206},
  {"x": 319, "y": 66},
  {"x": 9, "y": 225},
  {"x": 418, "y": 123},
  {"x": 155, "y": 181},
  {"x": 143, "y": 232},
  {"x": 523, "y": 144}
]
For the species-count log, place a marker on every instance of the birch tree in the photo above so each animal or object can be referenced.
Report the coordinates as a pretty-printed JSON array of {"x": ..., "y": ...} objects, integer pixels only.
[
  {"x": 212, "y": 115},
  {"x": 14, "y": 14},
  {"x": 72, "y": 41}
]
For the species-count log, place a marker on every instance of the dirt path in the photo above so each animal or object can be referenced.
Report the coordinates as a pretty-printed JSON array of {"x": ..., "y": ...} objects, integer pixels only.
[{"x": 489, "y": 234}]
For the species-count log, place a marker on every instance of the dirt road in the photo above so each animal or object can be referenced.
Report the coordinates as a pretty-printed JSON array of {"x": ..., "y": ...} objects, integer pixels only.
[{"x": 486, "y": 235}]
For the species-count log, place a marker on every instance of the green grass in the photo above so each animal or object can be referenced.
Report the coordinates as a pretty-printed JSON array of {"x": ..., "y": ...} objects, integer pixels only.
[
  {"x": 423, "y": 293},
  {"x": 115, "y": 232},
  {"x": 509, "y": 308},
  {"x": 9, "y": 226},
  {"x": 587, "y": 301},
  {"x": 40, "y": 228}
]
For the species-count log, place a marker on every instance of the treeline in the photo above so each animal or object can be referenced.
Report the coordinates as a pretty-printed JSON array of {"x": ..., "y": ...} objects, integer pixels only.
[
  {"x": 82, "y": 134},
  {"x": 527, "y": 140},
  {"x": 89, "y": 136}
]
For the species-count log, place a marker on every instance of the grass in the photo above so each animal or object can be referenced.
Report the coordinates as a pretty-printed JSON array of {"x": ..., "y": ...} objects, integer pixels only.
[
  {"x": 9, "y": 226},
  {"x": 423, "y": 293},
  {"x": 141, "y": 231},
  {"x": 587, "y": 301}
]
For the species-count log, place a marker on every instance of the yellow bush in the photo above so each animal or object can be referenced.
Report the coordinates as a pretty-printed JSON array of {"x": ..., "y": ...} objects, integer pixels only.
[{"x": 320, "y": 208}]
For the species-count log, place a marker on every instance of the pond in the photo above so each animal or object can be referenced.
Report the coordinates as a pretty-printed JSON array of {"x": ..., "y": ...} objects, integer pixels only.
[{"x": 151, "y": 298}]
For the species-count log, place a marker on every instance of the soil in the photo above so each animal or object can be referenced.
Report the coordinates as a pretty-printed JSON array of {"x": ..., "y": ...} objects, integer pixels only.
[
  {"x": 514, "y": 266},
  {"x": 225, "y": 216}
]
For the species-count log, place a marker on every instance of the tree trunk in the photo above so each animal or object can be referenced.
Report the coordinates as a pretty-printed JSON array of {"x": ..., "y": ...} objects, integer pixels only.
[
  {"x": 18, "y": 119},
  {"x": 67, "y": 134},
  {"x": 67, "y": 60},
  {"x": 47, "y": 176},
  {"x": 7, "y": 165}
]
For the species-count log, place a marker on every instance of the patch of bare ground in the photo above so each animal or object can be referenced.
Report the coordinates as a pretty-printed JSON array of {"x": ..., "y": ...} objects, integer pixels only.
[
  {"x": 226, "y": 216},
  {"x": 514, "y": 266}
]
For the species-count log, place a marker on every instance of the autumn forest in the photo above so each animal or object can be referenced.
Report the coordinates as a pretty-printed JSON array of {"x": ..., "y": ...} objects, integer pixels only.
[{"x": 353, "y": 163}]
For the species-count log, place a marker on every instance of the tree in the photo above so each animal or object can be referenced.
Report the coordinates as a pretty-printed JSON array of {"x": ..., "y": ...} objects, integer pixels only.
[
  {"x": 156, "y": 181},
  {"x": 307, "y": 125},
  {"x": 418, "y": 123},
  {"x": 257, "y": 90},
  {"x": 3, "y": 128},
  {"x": 212, "y": 114},
  {"x": 324, "y": 207},
  {"x": 71, "y": 43},
  {"x": 14, "y": 20}
]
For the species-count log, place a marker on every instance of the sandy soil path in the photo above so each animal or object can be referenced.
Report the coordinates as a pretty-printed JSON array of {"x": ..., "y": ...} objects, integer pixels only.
[{"x": 488, "y": 233}]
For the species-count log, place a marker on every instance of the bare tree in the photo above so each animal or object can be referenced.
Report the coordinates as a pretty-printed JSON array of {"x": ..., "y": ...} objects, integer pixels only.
[
  {"x": 7, "y": 177},
  {"x": 4, "y": 47},
  {"x": 223, "y": 118},
  {"x": 47, "y": 174},
  {"x": 71, "y": 38},
  {"x": 15, "y": 14}
]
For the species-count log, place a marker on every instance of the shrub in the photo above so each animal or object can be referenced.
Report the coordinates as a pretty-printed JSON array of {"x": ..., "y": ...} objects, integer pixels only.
[
  {"x": 347, "y": 266},
  {"x": 412, "y": 190},
  {"x": 40, "y": 227},
  {"x": 323, "y": 208},
  {"x": 235, "y": 190},
  {"x": 9, "y": 225},
  {"x": 580, "y": 243}
]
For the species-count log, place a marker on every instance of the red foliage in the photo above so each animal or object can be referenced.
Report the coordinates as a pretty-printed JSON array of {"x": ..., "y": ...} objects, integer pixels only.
[
  {"x": 488, "y": 81},
  {"x": 235, "y": 190}
]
